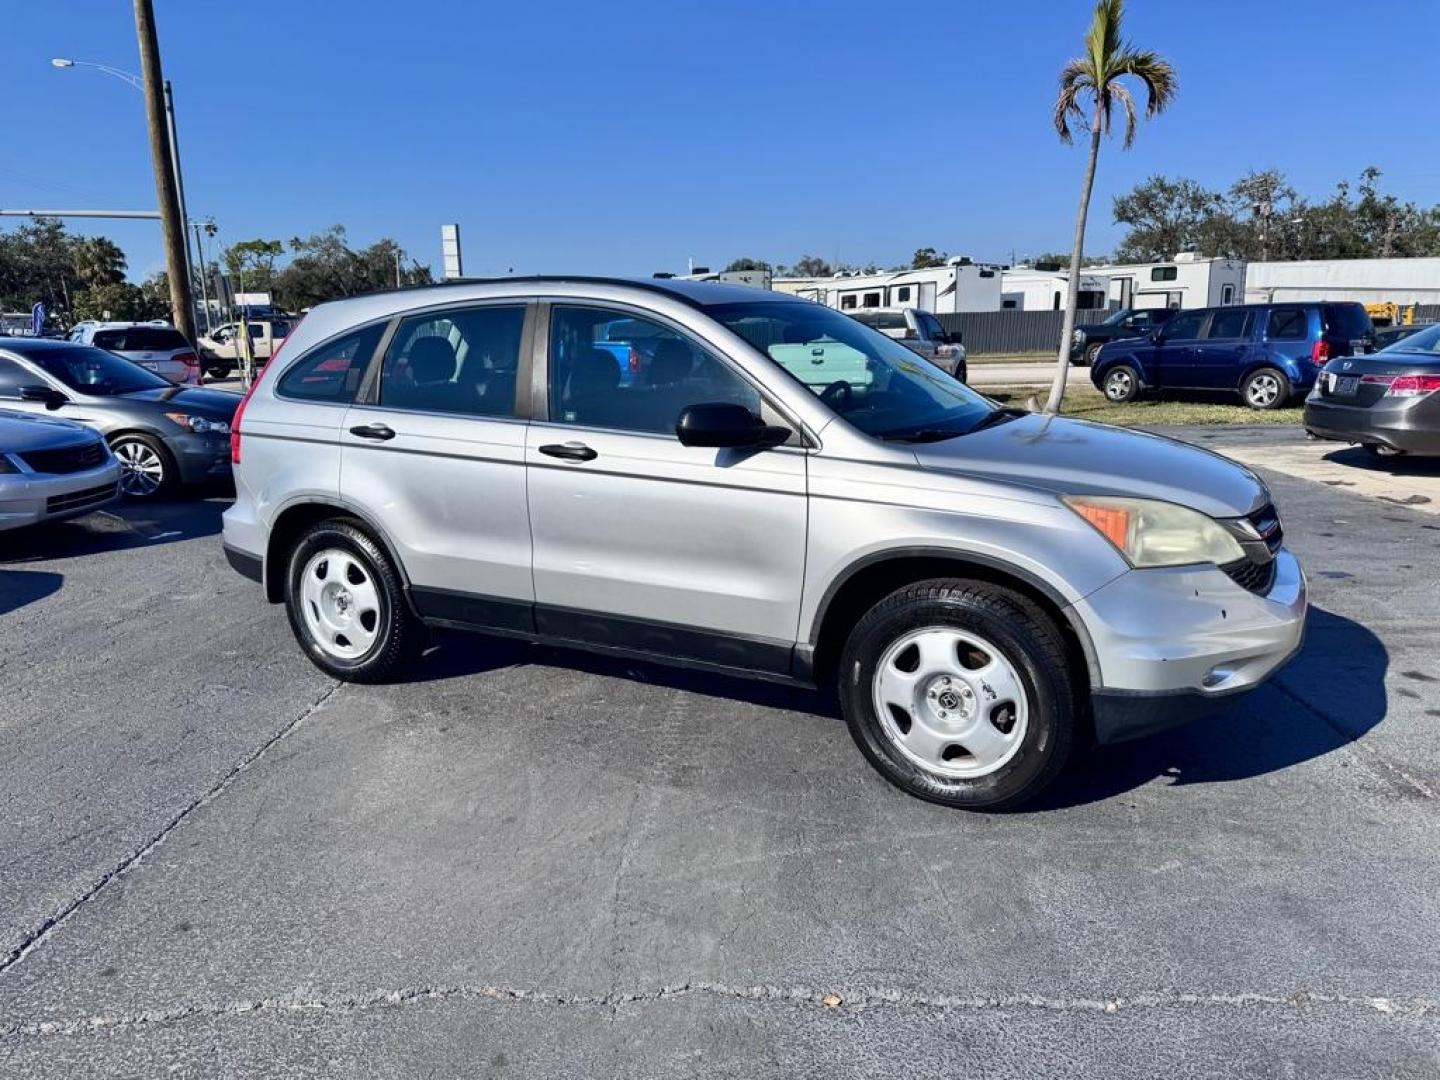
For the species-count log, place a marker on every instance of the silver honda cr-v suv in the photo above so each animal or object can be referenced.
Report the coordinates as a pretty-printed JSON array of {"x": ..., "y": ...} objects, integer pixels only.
[{"x": 747, "y": 482}]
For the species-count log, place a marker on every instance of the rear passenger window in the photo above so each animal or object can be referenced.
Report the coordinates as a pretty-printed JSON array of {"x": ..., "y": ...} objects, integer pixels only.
[
  {"x": 1288, "y": 324},
  {"x": 462, "y": 362},
  {"x": 332, "y": 372},
  {"x": 610, "y": 370},
  {"x": 1229, "y": 323}
]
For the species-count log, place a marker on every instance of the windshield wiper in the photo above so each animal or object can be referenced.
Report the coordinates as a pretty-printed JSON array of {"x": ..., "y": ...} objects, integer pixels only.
[
  {"x": 1002, "y": 415},
  {"x": 921, "y": 435}
]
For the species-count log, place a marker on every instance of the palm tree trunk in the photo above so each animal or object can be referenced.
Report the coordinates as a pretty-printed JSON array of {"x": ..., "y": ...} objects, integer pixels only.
[{"x": 1062, "y": 363}]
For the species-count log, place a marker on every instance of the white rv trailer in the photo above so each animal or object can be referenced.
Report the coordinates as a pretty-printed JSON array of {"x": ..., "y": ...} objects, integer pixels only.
[
  {"x": 1044, "y": 288},
  {"x": 960, "y": 285},
  {"x": 1186, "y": 281},
  {"x": 1366, "y": 281}
]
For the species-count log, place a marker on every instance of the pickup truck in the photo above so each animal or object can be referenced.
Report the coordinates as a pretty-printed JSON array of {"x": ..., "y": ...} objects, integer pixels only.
[
  {"x": 220, "y": 349},
  {"x": 919, "y": 331}
]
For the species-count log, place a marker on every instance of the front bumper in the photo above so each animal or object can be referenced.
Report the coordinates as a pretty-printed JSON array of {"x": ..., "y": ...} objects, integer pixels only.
[
  {"x": 201, "y": 458},
  {"x": 1408, "y": 424},
  {"x": 31, "y": 499},
  {"x": 1175, "y": 643}
]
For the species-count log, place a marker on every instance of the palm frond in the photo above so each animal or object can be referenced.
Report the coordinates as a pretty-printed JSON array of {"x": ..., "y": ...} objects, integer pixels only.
[
  {"x": 1122, "y": 95},
  {"x": 1154, "y": 71},
  {"x": 1076, "y": 78}
]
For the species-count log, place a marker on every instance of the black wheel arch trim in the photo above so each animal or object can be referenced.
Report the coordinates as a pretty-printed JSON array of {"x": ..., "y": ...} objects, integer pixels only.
[
  {"x": 347, "y": 509},
  {"x": 806, "y": 649}
]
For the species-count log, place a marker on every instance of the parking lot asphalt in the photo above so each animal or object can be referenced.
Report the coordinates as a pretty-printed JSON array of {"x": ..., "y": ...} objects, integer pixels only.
[{"x": 214, "y": 861}]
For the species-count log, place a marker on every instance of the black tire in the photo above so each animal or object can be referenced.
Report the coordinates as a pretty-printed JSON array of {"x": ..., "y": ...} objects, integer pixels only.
[
  {"x": 137, "y": 453},
  {"x": 1265, "y": 388},
  {"x": 1121, "y": 384},
  {"x": 399, "y": 635},
  {"x": 217, "y": 372},
  {"x": 1087, "y": 358},
  {"x": 1031, "y": 643}
]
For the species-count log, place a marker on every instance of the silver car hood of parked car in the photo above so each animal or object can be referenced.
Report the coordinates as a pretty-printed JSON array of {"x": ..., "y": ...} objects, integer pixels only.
[
  {"x": 20, "y": 432},
  {"x": 1072, "y": 457}
]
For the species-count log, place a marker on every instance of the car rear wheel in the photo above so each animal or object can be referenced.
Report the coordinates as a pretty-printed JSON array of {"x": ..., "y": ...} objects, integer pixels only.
[
  {"x": 1266, "y": 388},
  {"x": 217, "y": 371},
  {"x": 347, "y": 605},
  {"x": 959, "y": 692},
  {"x": 147, "y": 471},
  {"x": 1122, "y": 383}
]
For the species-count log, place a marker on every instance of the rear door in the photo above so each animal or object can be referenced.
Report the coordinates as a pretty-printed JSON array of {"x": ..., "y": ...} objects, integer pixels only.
[
  {"x": 641, "y": 542},
  {"x": 1287, "y": 337},
  {"x": 1174, "y": 356},
  {"x": 1223, "y": 353},
  {"x": 1348, "y": 330},
  {"x": 434, "y": 451}
]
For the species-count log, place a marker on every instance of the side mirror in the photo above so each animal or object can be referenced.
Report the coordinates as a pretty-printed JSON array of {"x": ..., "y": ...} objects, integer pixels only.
[
  {"x": 1156, "y": 337},
  {"x": 51, "y": 399},
  {"x": 722, "y": 424}
]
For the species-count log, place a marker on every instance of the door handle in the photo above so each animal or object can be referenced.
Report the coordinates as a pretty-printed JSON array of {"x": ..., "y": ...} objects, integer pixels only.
[
  {"x": 372, "y": 431},
  {"x": 570, "y": 451}
]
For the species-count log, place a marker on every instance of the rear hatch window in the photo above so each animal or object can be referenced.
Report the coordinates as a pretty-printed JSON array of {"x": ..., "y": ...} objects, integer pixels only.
[
  {"x": 1348, "y": 322},
  {"x": 140, "y": 339}
]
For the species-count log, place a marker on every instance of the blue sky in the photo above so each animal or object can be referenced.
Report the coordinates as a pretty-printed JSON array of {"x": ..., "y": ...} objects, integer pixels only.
[{"x": 628, "y": 136}]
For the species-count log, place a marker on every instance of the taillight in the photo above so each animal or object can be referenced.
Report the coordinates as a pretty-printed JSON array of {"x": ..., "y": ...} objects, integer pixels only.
[
  {"x": 240, "y": 411},
  {"x": 1320, "y": 353},
  {"x": 635, "y": 363},
  {"x": 1413, "y": 385},
  {"x": 189, "y": 359}
]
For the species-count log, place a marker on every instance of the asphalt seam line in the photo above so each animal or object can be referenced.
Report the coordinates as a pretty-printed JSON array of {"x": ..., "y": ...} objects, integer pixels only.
[
  {"x": 853, "y": 1000},
  {"x": 1416, "y": 785},
  {"x": 38, "y": 936}
]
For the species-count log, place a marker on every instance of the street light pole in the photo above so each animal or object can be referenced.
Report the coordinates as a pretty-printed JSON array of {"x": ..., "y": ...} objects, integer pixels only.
[{"x": 166, "y": 188}]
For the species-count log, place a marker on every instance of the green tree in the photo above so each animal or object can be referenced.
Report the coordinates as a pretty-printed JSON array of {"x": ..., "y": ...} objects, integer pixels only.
[
  {"x": 1090, "y": 87},
  {"x": 1164, "y": 216},
  {"x": 251, "y": 264},
  {"x": 926, "y": 257},
  {"x": 812, "y": 266},
  {"x": 748, "y": 264},
  {"x": 324, "y": 267},
  {"x": 97, "y": 260}
]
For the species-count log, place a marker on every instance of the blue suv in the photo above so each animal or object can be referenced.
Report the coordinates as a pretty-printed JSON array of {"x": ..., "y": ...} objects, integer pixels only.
[{"x": 1268, "y": 353}]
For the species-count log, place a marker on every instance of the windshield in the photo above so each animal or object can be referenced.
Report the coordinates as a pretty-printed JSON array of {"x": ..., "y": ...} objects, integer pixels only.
[
  {"x": 1426, "y": 342},
  {"x": 873, "y": 381},
  {"x": 95, "y": 371}
]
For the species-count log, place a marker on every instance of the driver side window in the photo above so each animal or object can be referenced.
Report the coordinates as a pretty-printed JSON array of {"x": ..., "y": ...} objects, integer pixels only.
[
  {"x": 1185, "y": 327},
  {"x": 610, "y": 369}
]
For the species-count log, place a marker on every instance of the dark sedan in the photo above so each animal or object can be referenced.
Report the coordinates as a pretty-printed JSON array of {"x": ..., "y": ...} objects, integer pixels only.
[
  {"x": 164, "y": 435},
  {"x": 1388, "y": 402}
]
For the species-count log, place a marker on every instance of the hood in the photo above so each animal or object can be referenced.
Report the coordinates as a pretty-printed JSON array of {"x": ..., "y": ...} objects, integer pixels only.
[
  {"x": 217, "y": 404},
  {"x": 1078, "y": 457},
  {"x": 20, "y": 432}
]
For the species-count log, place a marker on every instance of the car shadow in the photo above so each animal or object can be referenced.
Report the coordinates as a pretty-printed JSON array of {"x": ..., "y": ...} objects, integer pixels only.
[
  {"x": 455, "y": 654},
  {"x": 1329, "y": 695},
  {"x": 119, "y": 526},
  {"x": 1403, "y": 465},
  {"x": 21, "y": 587}
]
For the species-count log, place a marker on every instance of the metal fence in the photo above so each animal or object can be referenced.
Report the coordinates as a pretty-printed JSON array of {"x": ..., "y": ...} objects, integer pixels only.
[{"x": 1012, "y": 331}]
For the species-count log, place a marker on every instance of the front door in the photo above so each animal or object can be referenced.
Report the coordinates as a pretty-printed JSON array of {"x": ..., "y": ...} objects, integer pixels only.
[
  {"x": 640, "y": 542},
  {"x": 1175, "y": 356},
  {"x": 434, "y": 449}
]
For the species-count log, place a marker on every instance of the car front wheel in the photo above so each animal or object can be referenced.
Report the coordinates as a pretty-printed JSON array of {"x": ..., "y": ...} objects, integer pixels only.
[
  {"x": 147, "y": 471},
  {"x": 1122, "y": 383},
  {"x": 959, "y": 692},
  {"x": 1091, "y": 352},
  {"x": 347, "y": 604}
]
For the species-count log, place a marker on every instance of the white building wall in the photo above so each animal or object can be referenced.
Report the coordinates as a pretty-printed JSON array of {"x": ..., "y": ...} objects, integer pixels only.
[
  {"x": 1178, "y": 283},
  {"x": 1366, "y": 281},
  {"x": 942, "y": 289}
]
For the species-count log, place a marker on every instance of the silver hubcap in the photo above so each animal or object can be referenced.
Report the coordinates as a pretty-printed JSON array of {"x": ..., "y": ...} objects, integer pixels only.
[
  {"x": 141, "y": 470},
  {"x": 340, "y": 603},
  {"x": 951, "y": 702},
  {"x": 1118, "y": 384},
  {"x": 1263, "y": 391}
]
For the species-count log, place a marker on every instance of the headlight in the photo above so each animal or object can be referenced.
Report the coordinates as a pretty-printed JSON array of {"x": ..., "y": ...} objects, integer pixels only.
[
  {"x": 1153, "y": 533},
  {"x": 200, "y": 425},
  {"x": 1078, "y": 337}
]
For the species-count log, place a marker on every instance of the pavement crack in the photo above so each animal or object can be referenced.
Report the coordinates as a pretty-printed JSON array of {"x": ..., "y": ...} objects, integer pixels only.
[
  {"x": 838, "y": 999},
  {"x": 1414, "y": 784},
  {"x": 37, "y": 936}
]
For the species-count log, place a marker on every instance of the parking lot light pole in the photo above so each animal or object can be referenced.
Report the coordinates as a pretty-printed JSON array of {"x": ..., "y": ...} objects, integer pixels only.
[{"x": 173, "y": 145}]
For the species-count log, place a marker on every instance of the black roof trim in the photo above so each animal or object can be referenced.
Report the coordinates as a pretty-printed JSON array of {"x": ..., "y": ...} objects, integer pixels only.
[{"x": 664, "y": 286}]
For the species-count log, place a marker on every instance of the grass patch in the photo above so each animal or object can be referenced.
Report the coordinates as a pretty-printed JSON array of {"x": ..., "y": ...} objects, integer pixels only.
[
  {"x": 1084, "y": 402},
  {"x": 1011, "y": 358}
]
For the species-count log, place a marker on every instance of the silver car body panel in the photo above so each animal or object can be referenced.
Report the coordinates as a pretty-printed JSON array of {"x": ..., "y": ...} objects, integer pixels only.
[
  {"x": 753, "y": 545},
  {"x": 26, "y": 493}
]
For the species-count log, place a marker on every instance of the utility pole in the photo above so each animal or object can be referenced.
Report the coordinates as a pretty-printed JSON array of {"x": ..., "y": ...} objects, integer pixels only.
[{"x": 166, "y": 191}]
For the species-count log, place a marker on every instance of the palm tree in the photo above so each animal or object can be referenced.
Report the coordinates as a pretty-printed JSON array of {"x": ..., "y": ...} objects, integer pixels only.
[{"x": 1090, "y": 87}]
